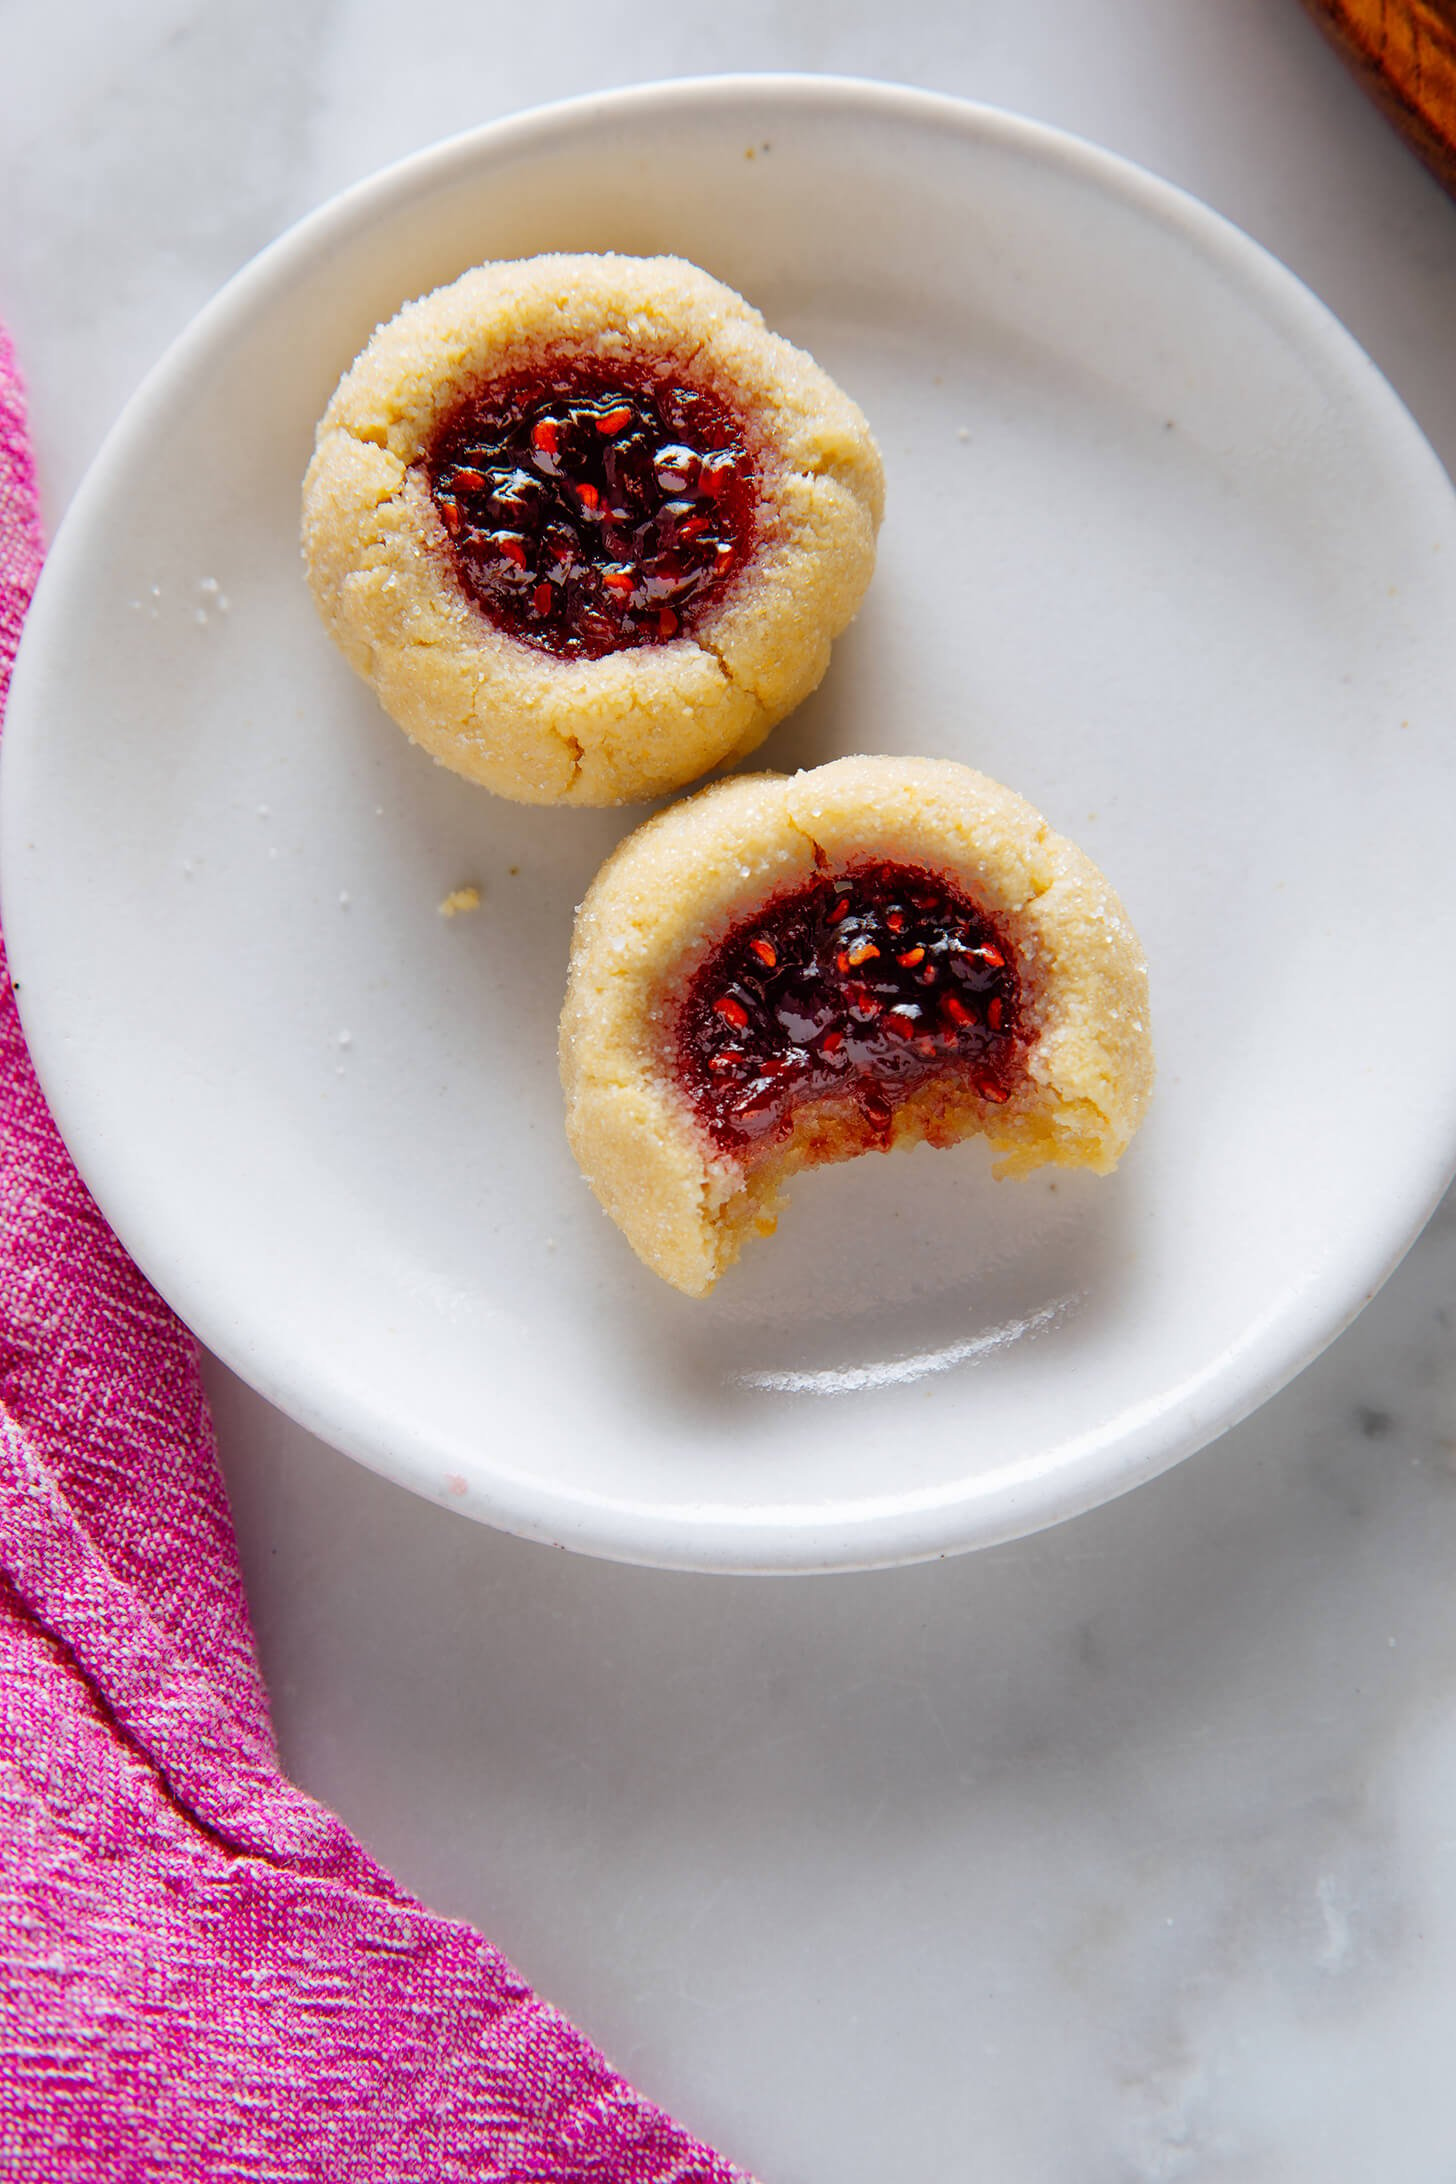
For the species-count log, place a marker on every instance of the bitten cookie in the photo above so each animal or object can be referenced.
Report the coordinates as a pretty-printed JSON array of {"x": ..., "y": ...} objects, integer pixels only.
[
  {"x": 587, "y": 526},
  {"x": 878, "y": 952}
]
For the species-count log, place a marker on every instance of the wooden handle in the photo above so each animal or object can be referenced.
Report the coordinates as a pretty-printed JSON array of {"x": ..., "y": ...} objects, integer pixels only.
[{"x": 1404, "y": 53}]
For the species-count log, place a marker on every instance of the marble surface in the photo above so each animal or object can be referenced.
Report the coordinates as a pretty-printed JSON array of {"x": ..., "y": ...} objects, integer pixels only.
[{"x": 1125, "y": 1853}]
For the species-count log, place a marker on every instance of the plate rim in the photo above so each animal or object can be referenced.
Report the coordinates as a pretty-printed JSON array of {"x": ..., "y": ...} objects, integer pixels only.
[{"x": 872, "y": 1532}]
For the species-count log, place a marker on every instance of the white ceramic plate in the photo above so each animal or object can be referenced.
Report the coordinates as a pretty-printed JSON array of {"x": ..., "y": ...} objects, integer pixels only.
[{"x": 1163, "y": 551}]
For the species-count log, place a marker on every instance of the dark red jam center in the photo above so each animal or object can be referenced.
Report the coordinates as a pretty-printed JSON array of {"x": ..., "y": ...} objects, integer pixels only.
[
  {"x": 863, "y": 985},
  {"x": 594, "y": 507}
]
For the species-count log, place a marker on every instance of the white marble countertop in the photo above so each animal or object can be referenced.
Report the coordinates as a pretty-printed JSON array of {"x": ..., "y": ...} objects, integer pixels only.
[{"x": 1126, "y": 1853}]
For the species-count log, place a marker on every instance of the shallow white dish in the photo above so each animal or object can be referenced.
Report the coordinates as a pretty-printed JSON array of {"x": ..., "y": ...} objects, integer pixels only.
[{"x": 1164, "y": 552}]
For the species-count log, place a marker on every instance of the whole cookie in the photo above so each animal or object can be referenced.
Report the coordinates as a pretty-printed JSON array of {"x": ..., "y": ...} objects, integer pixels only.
[
  {"x": 587, "y": 526},
  {"x": 878, "y": 952}
]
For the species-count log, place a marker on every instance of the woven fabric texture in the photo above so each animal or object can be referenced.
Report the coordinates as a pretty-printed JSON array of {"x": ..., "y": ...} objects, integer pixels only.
[{"x": 202, "y": 1974}]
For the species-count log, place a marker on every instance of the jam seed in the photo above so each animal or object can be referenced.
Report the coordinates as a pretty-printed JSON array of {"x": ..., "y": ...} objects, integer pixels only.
[
  {"x": 732, "y": 1012},
  {"x": 995, "y": 1010},
  {"x": 765, "y": 951},
  {"x": 957, "y": 1011},
  {"x": 615, "y": 421},
  {"x": 726, "y": 1058},
  {"x": 510, "y": 548},
  {"x": 544, "y": 435},
  {"x": 450, "y": 511},
  {"x": 840, "y": 910},
  {"x": 667, "y": 623},
  {"x": 541, "y": 598},
  {"x": 993, "y": 1092},
  {"x": 910, "y": 958},
  {"x": 619, "y": 581},
  {"x": 467, "y": 481},
  {"x": 895, "y": 919},
  {"x": 715, "y": 473},
  {"x": 590, "y": 498},
  {"x": 990, "y": 955},
  {"x": 862, "y": 952},
  {"x": 902, "y": 1026}
]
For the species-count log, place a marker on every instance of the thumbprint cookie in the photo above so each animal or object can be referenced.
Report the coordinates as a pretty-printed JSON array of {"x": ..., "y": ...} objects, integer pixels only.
[
  {"x": 587, "y": 526},
  {"x": 879, "y": 952}
]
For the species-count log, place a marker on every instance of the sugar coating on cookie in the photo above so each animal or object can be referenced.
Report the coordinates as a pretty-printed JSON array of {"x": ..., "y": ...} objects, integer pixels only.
[
  {"x": 785, "y": 970},
  {"x": 587, "y": 526}
]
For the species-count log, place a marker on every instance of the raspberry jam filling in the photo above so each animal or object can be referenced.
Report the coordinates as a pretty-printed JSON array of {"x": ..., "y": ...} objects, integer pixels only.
[
  {"x": 862, "y": 986},
  {"x": 593, "y": 507}
]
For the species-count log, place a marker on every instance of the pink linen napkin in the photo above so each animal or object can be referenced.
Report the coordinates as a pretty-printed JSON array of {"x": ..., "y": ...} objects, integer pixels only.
[{"x": 202, "y": 1974}]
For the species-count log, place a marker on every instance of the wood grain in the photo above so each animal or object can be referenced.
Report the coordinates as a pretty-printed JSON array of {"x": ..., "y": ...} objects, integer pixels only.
[{"x": 1404, "y": 53}]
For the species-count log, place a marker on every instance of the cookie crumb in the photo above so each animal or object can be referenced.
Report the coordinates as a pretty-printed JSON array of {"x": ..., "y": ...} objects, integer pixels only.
[{"x": 460, "y": 899}]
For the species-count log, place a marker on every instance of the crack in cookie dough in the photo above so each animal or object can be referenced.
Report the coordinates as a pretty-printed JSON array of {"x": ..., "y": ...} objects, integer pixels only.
[{"x": 654, "y": 715}]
